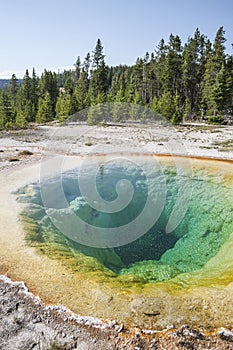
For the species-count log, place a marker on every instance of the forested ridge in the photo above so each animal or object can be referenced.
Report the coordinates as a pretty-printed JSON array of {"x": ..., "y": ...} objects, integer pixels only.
[{"x": 180, "y": 82}]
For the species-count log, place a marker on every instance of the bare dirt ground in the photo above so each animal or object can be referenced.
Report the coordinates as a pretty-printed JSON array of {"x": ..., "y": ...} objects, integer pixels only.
[{"x": 25, "y": 322}]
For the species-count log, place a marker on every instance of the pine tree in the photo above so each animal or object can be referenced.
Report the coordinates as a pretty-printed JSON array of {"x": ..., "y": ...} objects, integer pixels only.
[
  {"x": 13, "y": 88},
  {"x": 135, "y": 111},
  {"x": 145, "y": 80},
  {"x": 118, "y": 80},
  {"x": 177, "y": 115},
  {"x": 187, "y": 109},
  {"x": 166, "y": 105},
  {"x": 120, "y": 110},
  {"x": 172, "y": 71},
  {"x": 98, "y": 83},
  {"x": 213, "y": 67},
  {"x": 34, "y": 91},
  {"x": 80, "y": 93},
  {"x": 87, "y": 64},
  {"x": 137, "y": 76},
  {"x": 60, "y": 107},
  {"x": 20, "y": 120},
  {"x": 130, "y": 89},
  {"x": 65, "y": 106},
  {"x": 221, "y": 92},
  {"x": 154, "y": 104},
  {"x": 157, "y": 67},
  {"x": 26, "y": 87},
  {"x": 77, "y": 72},
  {"x": 28, "y": 111},
  {"x": 97, "y": 112},
  {"x": 69, "y": 86},
  {"x": 229, "y": 67},
  {"x": 26, "y": 99},
  {"x": 193, "y": 70},
  {"x": 45, "y": 112},
  {"x": 98, "y": 55},
  {"x": 7, "y": 113},
  {"x": 48, "y": 83}
]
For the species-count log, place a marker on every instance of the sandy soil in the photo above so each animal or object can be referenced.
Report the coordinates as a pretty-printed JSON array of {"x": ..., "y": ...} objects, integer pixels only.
[{"x": 20, "y": 156}]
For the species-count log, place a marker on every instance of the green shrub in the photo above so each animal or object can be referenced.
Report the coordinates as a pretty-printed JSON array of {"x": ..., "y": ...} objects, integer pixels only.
[{"x": 218, "y": 119}]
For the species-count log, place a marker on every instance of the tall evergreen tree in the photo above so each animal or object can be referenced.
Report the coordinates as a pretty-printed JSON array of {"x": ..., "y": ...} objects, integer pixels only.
[
  {"x": 137, "y": 76},
  {"x": 26, "y": 87},
  {"x": 98, "y": 55},
  {"x": 172, "y": 72},
  {"x": 7, "y": 113},
  {"x": 130, "y": 90},
  {"x": 45, "y": 112},
  {"x": 213, "y": 67},
  {"x": 82, "y": 95},
  {"x": 24, "y": 101},
  {"x": 229, "y": 66},
  {"x": 69, "y": 86},
  {"x": 157, "y": 67},
  {"x": 48, "y": 83},
  {"x": 98, "y": 85},
  {"x": 77, "y": 71},
  {"x": 20, "y": 120},
  {"x": 65, "y": 106},
  {"x": 222, "y": 93},
  {"x": 34, "y": 90},
  {"x": 13, "y": 88},
  {"x": 167, "y": 106},
  {"x": 193, "y": 72},
  {"x": 81, "y": 92}
]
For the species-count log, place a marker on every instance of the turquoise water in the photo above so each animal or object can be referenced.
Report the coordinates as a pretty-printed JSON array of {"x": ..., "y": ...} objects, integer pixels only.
[{"x": 157, "y": 255}]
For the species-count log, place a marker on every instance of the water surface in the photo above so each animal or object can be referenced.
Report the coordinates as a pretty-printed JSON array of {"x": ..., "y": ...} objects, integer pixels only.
[{"x": 206, "y": 223}]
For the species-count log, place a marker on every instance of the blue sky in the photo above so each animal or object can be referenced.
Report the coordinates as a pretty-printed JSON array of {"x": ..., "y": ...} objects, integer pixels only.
[{"x": 51, "y": 34}]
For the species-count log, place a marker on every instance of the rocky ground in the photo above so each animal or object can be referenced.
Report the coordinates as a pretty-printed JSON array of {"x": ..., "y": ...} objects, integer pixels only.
[
  {"x": 25, "y": 322},
  {"x": 22, "y": 146}
]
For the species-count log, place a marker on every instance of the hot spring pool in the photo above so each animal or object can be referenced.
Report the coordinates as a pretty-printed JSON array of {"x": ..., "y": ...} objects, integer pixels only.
[{"x": 187, "y": 232}]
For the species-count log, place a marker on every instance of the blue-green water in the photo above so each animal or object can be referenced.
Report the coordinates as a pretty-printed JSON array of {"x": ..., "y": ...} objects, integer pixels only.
[{"x": 157, "y": 255}]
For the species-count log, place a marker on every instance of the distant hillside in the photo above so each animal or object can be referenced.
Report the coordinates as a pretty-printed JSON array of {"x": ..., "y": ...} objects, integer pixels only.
[{"x": 4, "y": 83}]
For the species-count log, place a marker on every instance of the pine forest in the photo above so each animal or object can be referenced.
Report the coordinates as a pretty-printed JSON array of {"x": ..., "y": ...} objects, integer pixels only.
[{"x": 182, "y": 82}]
